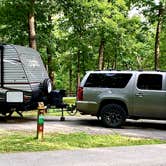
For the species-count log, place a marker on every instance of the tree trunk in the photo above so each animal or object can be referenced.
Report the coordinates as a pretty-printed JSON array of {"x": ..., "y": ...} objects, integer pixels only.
[
  {"x": 101, "y": 55},
  {"x": 139, "y": 61},
  {"x": 157, "y": 39},
  {"x": 49, "y": 54},
  {"x": 78, "y": 68},
  {"x": 50, "y": 69},
  {"x": 114, "y": 64},
  {"x": 70, "y": 81},
  {"x": 31, "y": 22}
]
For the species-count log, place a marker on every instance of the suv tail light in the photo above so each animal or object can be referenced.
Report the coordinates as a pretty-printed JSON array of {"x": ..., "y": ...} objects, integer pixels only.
[{"x": 80, "y": 93}]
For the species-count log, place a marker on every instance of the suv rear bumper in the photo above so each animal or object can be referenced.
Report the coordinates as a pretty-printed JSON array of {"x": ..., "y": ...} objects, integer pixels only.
[{"x": 87, "y": 107}]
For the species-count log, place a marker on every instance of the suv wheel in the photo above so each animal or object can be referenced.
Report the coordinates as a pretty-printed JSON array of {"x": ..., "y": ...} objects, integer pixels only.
[{"x": 113, "y": 115}]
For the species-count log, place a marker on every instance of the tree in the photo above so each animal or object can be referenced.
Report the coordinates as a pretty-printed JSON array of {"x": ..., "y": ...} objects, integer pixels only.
[
  {"x": 77, "y": 20},
  {"x": 46, "y": 16},
  {"x": 74, "y": 36},
  {"x": 31, "y": 23},
  {"x": 161, "y": 11},
  {"x": 20, "y": 20},
  {"x": 13, "y": 21},
  {"x": 154, "y": 11}
]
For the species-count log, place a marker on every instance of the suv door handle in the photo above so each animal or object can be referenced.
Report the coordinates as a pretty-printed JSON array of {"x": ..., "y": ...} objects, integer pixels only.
[{"x": 139, "y": 94}]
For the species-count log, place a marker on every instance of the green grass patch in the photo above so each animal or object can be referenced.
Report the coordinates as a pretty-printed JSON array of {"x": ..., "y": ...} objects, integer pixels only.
[{"x": 19, "y": 141}]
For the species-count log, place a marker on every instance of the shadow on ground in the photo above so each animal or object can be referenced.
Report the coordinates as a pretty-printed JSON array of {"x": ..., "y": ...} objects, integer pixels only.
[
  {"x": 90, "y": 121},
  {"x": 156, "y": 124}
]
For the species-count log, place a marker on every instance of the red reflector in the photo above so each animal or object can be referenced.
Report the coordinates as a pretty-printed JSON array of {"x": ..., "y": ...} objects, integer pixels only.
[
  {"x": 26, "y": 98},
  {"x": 80, "y": 93}
]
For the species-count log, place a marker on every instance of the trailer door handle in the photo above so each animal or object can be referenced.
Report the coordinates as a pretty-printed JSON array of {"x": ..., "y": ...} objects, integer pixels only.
[{"x": 139, "y": 94}]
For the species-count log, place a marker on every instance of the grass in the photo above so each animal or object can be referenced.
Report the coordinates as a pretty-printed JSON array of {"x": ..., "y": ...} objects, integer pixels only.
[{"x": 19, "y": 141}]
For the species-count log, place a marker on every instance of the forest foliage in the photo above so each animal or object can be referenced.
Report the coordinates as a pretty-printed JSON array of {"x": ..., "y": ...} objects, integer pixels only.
[{"x": 74, "y": 36}]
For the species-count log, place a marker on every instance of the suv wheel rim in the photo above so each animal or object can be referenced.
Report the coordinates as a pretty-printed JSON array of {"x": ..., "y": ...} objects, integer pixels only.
[
  {"x": 113, "y": 115},
  {"x": 112, "y": 118}
]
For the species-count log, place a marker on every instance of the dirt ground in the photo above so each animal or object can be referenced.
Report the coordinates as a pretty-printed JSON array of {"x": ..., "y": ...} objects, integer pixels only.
[{"x": 88, "y": 124}]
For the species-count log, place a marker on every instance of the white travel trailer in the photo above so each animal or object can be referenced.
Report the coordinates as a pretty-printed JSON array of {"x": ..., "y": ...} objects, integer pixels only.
[{"x": 23, "y": 79}]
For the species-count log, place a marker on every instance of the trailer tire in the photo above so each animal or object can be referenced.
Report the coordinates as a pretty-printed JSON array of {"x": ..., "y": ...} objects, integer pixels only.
[{"x": 47, "y": 86}]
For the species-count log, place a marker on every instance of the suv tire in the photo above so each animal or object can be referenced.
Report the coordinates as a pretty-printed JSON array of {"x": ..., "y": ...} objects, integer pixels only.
[{"x": 113, "y": 115}]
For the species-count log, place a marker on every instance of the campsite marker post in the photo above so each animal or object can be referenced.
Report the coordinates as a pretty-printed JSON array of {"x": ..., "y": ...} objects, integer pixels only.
[{"x": 40, "y": 120}]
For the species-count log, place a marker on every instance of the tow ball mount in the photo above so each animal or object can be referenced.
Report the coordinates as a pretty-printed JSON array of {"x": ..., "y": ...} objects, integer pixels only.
[{"x": 71, "y": 110}]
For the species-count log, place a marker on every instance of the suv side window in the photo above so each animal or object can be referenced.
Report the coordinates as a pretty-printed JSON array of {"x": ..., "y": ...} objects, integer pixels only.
[
  {"x": 150, "y": 81},
  {"x": 108, "y": 80}
]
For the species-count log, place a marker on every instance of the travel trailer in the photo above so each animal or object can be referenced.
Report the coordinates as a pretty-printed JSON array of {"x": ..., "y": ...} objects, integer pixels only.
[{"x": 23, "y": 79}]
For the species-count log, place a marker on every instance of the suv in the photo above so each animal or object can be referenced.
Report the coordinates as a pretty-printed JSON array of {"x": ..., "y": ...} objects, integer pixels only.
[{"x": 117, "y": 95}]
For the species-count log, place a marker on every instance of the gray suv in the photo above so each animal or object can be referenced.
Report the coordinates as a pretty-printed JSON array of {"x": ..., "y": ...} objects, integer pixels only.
[{"x": 114, "y": 96}]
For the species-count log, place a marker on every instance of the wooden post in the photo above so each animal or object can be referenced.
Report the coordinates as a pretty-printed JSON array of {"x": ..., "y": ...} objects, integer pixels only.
[{"x": 40, "y": 120}]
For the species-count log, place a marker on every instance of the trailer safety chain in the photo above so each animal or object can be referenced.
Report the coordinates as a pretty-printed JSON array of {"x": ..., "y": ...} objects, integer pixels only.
[{"x": 71, "y": 110}]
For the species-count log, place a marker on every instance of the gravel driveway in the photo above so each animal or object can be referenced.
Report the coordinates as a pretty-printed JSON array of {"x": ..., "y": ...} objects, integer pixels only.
[{"x": 89, "y": 124}]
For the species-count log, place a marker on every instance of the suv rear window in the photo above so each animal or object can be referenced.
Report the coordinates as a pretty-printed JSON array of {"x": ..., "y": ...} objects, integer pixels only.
[
  {"x": 150, "y": 81},
  {"x": 108, "y": 80}
]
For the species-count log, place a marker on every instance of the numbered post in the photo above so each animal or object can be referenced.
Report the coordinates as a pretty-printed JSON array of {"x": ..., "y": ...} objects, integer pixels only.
[{"x": 40, "y": 120}]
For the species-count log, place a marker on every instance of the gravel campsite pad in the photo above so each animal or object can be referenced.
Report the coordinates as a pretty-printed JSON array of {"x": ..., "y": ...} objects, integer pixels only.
[{"x": 88, "y": 124}]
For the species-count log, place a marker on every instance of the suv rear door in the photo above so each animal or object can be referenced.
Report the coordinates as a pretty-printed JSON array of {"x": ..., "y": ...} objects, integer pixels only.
[{"x": 149, "y": 96}]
